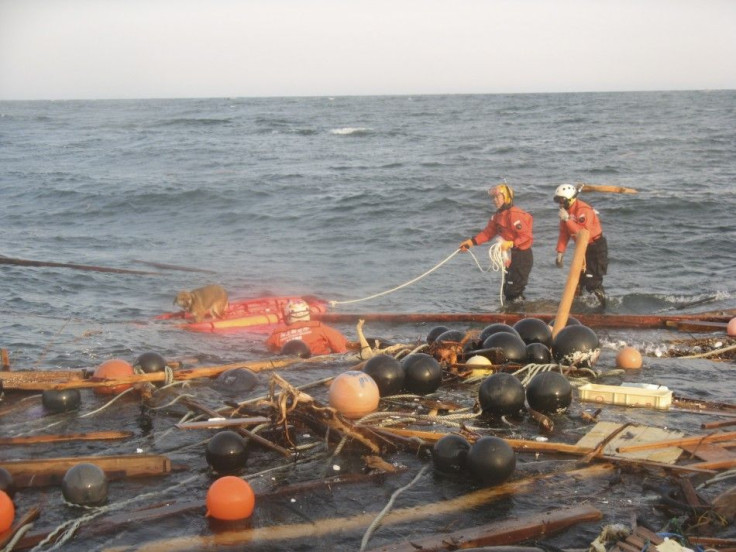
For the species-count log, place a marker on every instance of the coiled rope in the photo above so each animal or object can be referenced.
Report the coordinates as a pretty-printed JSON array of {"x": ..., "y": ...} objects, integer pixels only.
[{"x": 495, "y": 254}]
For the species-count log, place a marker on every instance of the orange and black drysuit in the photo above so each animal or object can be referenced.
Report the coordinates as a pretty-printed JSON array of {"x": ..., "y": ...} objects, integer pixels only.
[
  {"x": 515, "y": 225},
  {"x": 582, "y": 215},
  {"x": 320, "y": 339}
]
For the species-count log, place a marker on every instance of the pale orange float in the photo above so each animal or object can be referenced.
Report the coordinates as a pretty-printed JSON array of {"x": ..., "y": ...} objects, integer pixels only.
[
  {"x": 230, "y": 498},
  {"x": 731, "y": 328},
  {"x": 354, "y": 394},
  {"x": 113, "y": 369},
  {"x": 629, "y": 358},
  {"x": 7, "y": 511}
]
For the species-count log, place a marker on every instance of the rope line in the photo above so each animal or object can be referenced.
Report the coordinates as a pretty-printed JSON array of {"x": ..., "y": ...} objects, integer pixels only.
[
  {"x": 498, "y": 264},
  {"x": 333, "y": 303}
]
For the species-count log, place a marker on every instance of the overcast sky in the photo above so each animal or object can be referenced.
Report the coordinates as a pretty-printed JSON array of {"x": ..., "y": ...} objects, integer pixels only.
[{"x": 94, "y": 49}]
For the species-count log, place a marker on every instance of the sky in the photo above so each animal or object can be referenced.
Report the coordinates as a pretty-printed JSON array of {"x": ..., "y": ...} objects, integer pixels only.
[{"x": 104, "y": 49}]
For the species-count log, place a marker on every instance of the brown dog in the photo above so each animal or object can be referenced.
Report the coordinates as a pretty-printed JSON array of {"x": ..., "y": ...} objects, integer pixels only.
[{"x": 210, "y": 300}]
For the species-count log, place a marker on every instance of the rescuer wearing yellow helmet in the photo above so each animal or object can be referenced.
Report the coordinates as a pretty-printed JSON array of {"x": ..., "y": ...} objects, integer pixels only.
[{"x": 514, "y": 226}]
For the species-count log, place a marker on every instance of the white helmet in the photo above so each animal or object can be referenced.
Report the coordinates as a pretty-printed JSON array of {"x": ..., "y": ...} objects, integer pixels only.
[
  {"x": 296, "y": 311},
  {"x": 565, "y": 193}
]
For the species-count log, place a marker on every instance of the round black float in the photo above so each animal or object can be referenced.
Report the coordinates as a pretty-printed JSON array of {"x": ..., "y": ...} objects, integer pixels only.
[
  {"x": 449, "y": 453},
  {"x": 534, "y": 330},
  {"x": 450, "y": 336},
  {"x": 61, "y": 400},
  {"x": 491, "y": 460},
  {"x": 150, "y": 362},
  {"x": 387, "y": 372},
  {"x": 237, "y": 380},
  {"x": 226, "y": 452},
  {"x": 571, "y": 321},
  {"x": 422, "y": 373},
  {"x": 538, "y": 353},
  {"x": 576, "y": 345},
  {"x": 85, "y": 484},
  {"x": 509, "y": 347},
  {"x": 296, "y": 347},
  {"x": 549, "y": 392},
  {"x": 6, "y": 482},
  {"x": 495, "y": 328},
  {"x": 435, "y": 332},
  {"x": 501, "y": 394}
]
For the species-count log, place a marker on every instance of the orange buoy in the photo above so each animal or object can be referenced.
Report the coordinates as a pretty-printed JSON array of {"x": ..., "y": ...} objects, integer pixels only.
[
  {"x": 731, "y": 328},
  {"x": 113, "y": 369},
  {"x": 354, "y": 394},
  {"x": 628, "y": 358},
  {"x": 7, "y": 512},
  {"x": 230, "y": 498}
]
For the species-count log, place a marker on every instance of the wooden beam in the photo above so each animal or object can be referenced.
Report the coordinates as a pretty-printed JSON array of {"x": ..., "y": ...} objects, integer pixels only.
[
  {"x": 573, "y": 278},
  {"x": 89, "y": 436},
  {"x": 51, "y": 471}
]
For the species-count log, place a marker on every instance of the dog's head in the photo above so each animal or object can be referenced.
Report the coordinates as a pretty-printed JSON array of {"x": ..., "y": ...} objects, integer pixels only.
[{"x": 183, "y": 300}]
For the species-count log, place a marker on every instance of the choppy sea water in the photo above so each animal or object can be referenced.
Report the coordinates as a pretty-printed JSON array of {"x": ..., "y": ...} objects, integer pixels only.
[{"x": 344, "y": 198}]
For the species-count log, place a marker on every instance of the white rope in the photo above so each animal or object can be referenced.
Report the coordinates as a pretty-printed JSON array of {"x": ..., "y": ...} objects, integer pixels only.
[
  {"x": 498, "y": 263},
  {"x": 333, "y": 303}
]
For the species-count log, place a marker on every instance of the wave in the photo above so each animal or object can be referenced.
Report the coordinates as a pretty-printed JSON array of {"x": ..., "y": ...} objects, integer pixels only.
[{"x": 351, "y": 131}]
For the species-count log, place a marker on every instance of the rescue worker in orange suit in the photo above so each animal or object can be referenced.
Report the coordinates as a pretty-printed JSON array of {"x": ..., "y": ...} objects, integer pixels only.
[
  {"x": 514, "y": 226},
  {"x": 574, "y": 215},
  {"x": 320, "y": 339}
]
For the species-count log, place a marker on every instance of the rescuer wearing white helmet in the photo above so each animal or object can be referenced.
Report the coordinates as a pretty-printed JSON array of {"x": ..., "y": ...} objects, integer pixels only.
[
  {"x": 514, "y": 226},
  {"x": 576, "y": 214},
  {"x": 319, "y": 338}
]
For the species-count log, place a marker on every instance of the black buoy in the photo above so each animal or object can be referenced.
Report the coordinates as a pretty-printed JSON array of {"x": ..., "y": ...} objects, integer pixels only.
[
  {"x": 449, "y": 453},
  {"x": 576, "y": 345},
  {"x": 495, "y": 328},
  {"x": 422, "y": 373},
  {"x": 501, "y": 394},
  {"x": 7, "y": 484},
  {"x": 387, "y": 372},
  {"x": 491, "y": 460},
  {"x": 450, "y": 336},
  {"x": 509, "y": 347},
  {"x": 549, "y": 392},
  {"x": 226, "y": 452},
  {"x": 237, "y": 380},
  {"x": 435, "y": 332},
  {"x": 534, "y": 330},
  {"x": 538, "y": 353},
  {"x": 61, "y": 400},
  {"x": 85, "y": 484},
  {"x": 151, "y": 362},
  {"x": 571, "y": 321},
  {"x": 296, "y": 347}
]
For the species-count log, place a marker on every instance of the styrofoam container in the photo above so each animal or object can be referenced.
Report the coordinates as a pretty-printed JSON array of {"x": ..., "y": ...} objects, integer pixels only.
[{"x": 660, "y": 399}]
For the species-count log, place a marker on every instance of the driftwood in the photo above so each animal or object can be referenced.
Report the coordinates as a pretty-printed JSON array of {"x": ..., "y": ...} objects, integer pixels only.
[
  {"x": 693, "y": 440},
  {"x": 90, "y": 436},
  {"x": 510, "y": 531},
  {"x": 217, "y": 422},
  {"x": 25, "y": 262},
  {"x": 51, "y": 471},
  {"x": 573, "y": 277},
  {"x": 318, "y": 529}
]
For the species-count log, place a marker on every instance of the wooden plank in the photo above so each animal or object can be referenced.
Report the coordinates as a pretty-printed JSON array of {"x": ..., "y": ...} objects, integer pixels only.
[
  {"x": 505, "y": 532},
  {"x": 573, "y": 277},
  {"x": 697, "y": 325},
  {"x": 709, "y": 452},
  {"x": 631, "y": 436},
  {"x": 693, "y": 440},
  {"x": 51, "y": 471},
  {"x": 89, "y": 436}
]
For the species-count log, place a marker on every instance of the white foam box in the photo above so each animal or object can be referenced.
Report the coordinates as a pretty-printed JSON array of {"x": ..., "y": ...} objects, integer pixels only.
[{"x": 660, "y": 399}]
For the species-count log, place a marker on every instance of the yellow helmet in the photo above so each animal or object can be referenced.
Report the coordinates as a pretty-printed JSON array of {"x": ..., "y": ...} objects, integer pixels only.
[{"x": 503, "y": 189}]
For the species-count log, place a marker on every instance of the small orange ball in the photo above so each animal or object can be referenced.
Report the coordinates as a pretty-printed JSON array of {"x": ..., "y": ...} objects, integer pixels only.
[
  {"x": 628, "y": 358},
  {"x": 731, "y": 328},
  {"x": 7, "y": 512},
  {"x": 113, "y": 369},
  {"x": 354, "y": 394},
  {"x": 230, "y": 498}
]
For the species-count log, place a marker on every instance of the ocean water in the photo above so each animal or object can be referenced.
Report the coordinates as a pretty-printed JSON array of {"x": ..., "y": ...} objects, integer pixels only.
[{"x": 344, "y": 198}]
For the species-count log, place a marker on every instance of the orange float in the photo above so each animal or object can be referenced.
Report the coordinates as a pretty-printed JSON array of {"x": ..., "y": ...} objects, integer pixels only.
[
  {"x": 230, "y": 498},
  {"x": 629, "y": 358},
  {"x": 113, "y": 369},
  {"x": 354, "y": 394},
  {"x": 731, "y": 328},
  {"x": 7, "y": 512}
]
